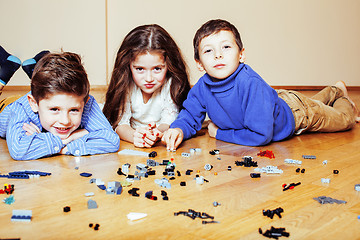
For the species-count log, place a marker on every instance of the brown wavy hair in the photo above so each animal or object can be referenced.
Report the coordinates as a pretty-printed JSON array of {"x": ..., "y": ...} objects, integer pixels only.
[{"x": 142, "y": 39}]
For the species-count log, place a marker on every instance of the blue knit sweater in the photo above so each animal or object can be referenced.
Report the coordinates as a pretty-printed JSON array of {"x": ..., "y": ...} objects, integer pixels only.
[{"x": 244, "y": 107}]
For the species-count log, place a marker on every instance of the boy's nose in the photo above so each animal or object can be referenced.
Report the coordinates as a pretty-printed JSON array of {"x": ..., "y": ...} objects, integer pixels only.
[
  {"x": 64, "y": 119},
  {"x": 218, "y": 55}
]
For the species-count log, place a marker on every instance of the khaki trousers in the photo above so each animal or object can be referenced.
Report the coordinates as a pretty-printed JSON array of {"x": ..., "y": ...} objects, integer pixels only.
[
  {"x": 6, "y": 101},
  {"x": 327, "y": 111}
]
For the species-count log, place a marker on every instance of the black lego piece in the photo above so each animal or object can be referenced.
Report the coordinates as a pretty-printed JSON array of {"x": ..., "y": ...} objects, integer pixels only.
[
  {"x": 119, "y": 171},
  {"x": 67, "y": 209},
  {"x": 133, "y": 192},
  {"x": 270, "y": 213},
  {"x": 152, "y": 154},
  {"x": 274, "y": 233},
  {"x": 255, "y": 175},
  {"x": 247, "y": 162}
]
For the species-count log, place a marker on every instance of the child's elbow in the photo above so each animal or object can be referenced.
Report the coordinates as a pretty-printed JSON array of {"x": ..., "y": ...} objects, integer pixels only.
[
  {"x": 263, "y": 143},
  {"x": 22, "y": 153},
  {"x": 259, "y": 140},
  {"x": 19, "y": 156},
  {"x": 264, "y": 140},
  {"x": 115, "y": 144}
]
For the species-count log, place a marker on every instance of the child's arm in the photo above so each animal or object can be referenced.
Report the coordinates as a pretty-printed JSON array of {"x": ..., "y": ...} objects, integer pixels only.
[
  {"x": 22, "y": 145},
  {"x": 163, "y": 127},
  {"x": 169, "y": 112},
  {"x": 73, "y": 136},
  {"x": 31, "y": 128},
  {"x": 212, "y": 129},
  {"x": 101, "y": 138}
]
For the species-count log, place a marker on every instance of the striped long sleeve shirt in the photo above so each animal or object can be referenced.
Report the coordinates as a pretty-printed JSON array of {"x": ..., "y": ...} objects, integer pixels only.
[{"x": 100, "y": 139}]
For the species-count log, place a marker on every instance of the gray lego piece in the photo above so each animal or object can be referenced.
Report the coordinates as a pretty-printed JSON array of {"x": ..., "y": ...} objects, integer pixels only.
[
  {"x": 92, "y": 204},
  {"x": 324, "y": 200}
]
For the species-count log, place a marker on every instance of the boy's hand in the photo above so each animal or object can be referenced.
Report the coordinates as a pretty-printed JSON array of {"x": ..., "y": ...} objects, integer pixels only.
[
  {"x": 30, "y": 128},
  {"x": 63, "y": 150},
  {"x": 212, "y": 129},
  {"x": 75, "y": 135},
  {"x": 172, "y": 138}
]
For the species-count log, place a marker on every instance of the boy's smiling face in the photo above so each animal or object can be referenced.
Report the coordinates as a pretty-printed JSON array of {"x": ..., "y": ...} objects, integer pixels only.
[
  {"x": 60, "y": 113},
  {"x": 219, "y": 54}
]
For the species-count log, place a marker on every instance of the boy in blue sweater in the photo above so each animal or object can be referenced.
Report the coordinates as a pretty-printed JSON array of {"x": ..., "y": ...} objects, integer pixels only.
[
  {"x": 242, "y": 107},
  {"x": 58, "y": 116}
]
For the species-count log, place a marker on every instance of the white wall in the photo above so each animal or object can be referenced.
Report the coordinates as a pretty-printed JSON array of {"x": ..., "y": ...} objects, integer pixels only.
[
  {"x": 307, "y": 42},
  {"x": 288, "y": 42},
  {"x": 28, "y": 27}
]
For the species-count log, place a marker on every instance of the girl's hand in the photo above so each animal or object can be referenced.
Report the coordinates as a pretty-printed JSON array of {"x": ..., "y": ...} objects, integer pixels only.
[
  {"x": 157, "y": 133},
  {"x": 143, "y": 137},
  {"x": 30, "y": 128},
  {"x": 212, "y": 129},
  {"x": 75, "y": 135},
  {"x": 155, "y": 130},
  {"x": 172, "y": 138}
]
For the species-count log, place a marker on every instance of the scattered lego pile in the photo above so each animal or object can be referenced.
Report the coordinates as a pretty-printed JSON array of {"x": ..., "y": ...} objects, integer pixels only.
[{"x": 145, "y": 170}]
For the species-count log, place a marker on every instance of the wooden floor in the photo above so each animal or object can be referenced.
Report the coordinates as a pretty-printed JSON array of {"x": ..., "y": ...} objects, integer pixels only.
[{"x": 242, "y": 198}]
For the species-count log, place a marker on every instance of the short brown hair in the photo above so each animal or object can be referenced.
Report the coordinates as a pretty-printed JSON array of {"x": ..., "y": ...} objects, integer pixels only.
[
  {"x": 211, "y": 27},
  {"x": 59, "y": 73}
]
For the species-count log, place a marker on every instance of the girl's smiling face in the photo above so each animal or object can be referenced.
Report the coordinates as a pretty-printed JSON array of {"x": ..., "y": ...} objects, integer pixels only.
[
  {"x": 149, "y": 72},
  {"x": 60, "y": 113}
]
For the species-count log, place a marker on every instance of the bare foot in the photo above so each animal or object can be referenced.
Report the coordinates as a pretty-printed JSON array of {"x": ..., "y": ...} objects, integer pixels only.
[{"x": 341, "y": 85}]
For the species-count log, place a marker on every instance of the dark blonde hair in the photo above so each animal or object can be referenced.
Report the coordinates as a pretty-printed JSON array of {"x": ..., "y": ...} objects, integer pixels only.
[
  {"x": 211, "y": 27},
  {"x": 59, "y": 73},
  {"x": 142, "y": 39}
]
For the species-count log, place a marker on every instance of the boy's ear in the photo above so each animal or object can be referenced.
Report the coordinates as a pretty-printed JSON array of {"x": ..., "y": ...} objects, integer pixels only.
[
  {"x": 199, "y": 66},
  {"x": 33, "y": 104},
  {"x": 242, "y": 56}
]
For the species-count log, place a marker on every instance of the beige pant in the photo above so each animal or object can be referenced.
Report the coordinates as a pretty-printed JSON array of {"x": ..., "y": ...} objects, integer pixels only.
[
  {"x": 327, "y": 111},
  {"x": 6, "y": 101}
]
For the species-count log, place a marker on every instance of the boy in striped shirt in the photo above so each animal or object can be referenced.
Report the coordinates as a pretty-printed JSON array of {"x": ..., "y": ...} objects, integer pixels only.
[{"x": 58, "y": 116}]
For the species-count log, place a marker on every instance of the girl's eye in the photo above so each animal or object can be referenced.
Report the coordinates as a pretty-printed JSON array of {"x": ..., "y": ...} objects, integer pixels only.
[
  {"x": 54, "y": 109},
  {"x": 74, "y": 110},
  {"x": 207, "y": 50},
  {"x": 139, "y": 69},
  {"x": 227, "y": 46},
  {"x": 157, "y": 69}
]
